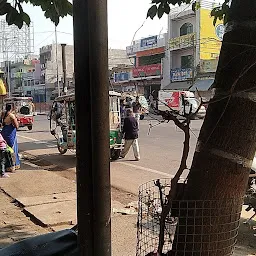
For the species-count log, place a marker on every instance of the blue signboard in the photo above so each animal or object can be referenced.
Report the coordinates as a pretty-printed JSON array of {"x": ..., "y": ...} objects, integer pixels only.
[
  {"x": 121, "y": 77},
  {"x": 181, "y": 74},
  {"x": 148, "y": 42}
]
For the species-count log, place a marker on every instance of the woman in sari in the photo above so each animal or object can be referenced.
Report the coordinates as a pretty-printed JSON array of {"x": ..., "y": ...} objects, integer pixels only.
[{"x": 10, "y": 126}]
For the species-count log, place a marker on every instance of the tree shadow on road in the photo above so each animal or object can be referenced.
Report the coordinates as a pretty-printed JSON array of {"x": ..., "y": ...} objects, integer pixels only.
[{"x": 52, "y": 162}]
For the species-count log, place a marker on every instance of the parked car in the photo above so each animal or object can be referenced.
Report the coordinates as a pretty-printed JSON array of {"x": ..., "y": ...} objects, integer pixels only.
[{"x": 174, "y": 100}]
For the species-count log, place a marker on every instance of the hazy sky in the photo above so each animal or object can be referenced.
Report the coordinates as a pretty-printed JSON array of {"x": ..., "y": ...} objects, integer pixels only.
[{"x": 124, "y": 18}]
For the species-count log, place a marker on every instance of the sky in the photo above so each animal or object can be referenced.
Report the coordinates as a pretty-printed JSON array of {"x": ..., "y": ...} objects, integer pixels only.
[{"x": 124, "y": 18}]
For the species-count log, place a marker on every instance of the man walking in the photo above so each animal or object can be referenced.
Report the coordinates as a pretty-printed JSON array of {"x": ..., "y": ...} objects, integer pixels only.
[
  {"x": 137, "y": 108},
  {"x": 130, "y": 131}
]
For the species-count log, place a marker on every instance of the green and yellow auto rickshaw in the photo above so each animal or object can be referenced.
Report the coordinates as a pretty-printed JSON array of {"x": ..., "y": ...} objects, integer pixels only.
[{"x": 63, "y": 123}]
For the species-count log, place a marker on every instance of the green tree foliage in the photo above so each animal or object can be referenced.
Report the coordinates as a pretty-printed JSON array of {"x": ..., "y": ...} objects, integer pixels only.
[
  {"x": 160, "y": 7},
  {"x": 53, "y": 9}
]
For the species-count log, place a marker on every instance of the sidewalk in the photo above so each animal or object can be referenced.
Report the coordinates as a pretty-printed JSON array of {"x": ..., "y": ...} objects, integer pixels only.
[{"x": 50, "y": 201}]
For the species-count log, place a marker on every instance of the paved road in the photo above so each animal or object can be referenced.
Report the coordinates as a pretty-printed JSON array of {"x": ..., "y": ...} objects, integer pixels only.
[{"x": 160, "y": 152}]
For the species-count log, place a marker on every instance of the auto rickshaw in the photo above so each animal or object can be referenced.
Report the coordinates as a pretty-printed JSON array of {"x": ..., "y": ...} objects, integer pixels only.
[
  {"x": 23, "y": 108},
  {"x": 63, "y": 115}
]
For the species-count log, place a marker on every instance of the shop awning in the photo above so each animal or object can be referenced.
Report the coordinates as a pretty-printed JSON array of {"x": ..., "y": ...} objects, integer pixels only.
[
  {"x": 202, "y": 85},
  {"x": 184, "y": 85}
]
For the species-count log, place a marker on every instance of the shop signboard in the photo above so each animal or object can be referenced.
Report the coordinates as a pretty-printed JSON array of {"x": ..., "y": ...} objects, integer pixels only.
[
  {"x": 208, "y": 66},
  {"x": 148, "y": 42},
  {"x": 181, "y": 74},
  {"x": 210, "y": 36},
  {"x": 182, "y": 41},
  {"x": 144, "y": 71},
  {"x": 121, "y": 77},
  {"x": 130, "y": 50}
]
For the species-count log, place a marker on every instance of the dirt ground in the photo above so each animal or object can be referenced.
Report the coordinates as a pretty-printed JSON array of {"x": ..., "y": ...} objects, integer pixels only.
[{"x": 14, "y": 225}]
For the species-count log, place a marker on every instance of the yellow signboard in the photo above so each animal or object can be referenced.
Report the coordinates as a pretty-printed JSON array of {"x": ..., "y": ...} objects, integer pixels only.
[
  {"x": 210, "y": 36},
  {"x": 182, "y": 41},
  {"x": 2, "y": 88}
]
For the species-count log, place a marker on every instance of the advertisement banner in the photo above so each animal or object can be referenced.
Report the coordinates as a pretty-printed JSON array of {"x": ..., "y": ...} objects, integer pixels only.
[
  {"x": 182, "y": 41},
  {"x": 150, "y": 70},
  {"x": 181, "y": 74},
  {"x": 150, "y": 52},
  {"x": 121, "y": 77},
  {"x": 148, "y": 42},
  {"x": 219, "y": 31},
  {"x": 130, "y": 50},
  {"x": 172, "y": 99},
  {"x": 208, "y": 66},
  {"x": 210, "y": 36}
]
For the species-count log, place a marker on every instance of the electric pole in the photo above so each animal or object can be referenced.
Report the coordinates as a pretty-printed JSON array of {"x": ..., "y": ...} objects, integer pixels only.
[
  {"x": 92, "y": 127},
  {"x": 57, "y": 65},
  {"x": 64, "y": 67}
]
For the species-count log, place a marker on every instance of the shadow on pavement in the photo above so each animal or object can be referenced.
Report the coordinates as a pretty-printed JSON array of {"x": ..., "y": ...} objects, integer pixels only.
[
  {"x": 23, "y": 146},
  {"x": 52, "y": 161},
  {"x": 12, "y": 233}
]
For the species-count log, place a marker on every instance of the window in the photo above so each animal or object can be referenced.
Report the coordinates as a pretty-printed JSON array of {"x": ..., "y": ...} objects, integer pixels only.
[
  {"x": 187, "y": 61},
  {"x": 186, "y": 29},
  {"x": 149, "y": 60}
]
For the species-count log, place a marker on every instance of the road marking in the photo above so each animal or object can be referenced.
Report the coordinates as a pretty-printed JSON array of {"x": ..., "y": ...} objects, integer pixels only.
[
  {"x": 51, "y": 146},
  {"x": 28, "y": 138},
  {"x": 37, "y": 141},
  {"x": 147, "y": 169}
]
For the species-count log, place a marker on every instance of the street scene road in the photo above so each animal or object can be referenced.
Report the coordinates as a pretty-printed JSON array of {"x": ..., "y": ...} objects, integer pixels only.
[
  {"x": 45, "y": 187},
  {"x": 160, "y": 148}
]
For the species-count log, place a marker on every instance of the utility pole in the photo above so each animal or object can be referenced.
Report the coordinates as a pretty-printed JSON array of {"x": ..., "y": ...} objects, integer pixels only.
[
  {"x": 64, "y": 67},
  {"x": 8, "y": 75},
  {"x": 92, "y": 127},
  {"x": 9, "y": 79},
  {"x": 194, "y": 57},
  {"x": 57, "y": 65}
]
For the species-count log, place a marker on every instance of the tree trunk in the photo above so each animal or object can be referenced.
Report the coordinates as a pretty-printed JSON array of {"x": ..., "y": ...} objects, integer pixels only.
[{"x": 209, "y": 219}]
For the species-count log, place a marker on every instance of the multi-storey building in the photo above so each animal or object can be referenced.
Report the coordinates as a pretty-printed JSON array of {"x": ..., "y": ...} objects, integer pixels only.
[
  {"x": 192, "y": 48},
  {"x": 50, "y": 63},
  {"x": 146, "y": 57},
  {"x": 17, "y": 72}
]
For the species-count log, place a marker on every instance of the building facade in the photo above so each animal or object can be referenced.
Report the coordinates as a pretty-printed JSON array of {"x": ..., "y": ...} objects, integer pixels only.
[
  {"x": 192, "y": 49},
  {"x": 49, "y": 65},
  {"x": 145, "y": 70},
  {"x": 21, "y": 73}
]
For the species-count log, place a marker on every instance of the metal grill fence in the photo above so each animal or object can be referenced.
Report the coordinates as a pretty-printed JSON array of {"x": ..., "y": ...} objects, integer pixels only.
[{"x": 204, "y": 228}]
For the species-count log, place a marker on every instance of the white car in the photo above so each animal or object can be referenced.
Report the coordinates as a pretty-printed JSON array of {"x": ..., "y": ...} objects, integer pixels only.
[{"x": 254, "y": 164}]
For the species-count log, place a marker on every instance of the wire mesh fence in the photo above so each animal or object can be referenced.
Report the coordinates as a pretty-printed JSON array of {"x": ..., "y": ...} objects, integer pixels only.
[{"x": 192, "y": 228}]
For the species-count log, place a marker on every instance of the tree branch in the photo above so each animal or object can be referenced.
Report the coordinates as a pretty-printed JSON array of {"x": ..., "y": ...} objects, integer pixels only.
[{"x": 166, "y": 207}]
